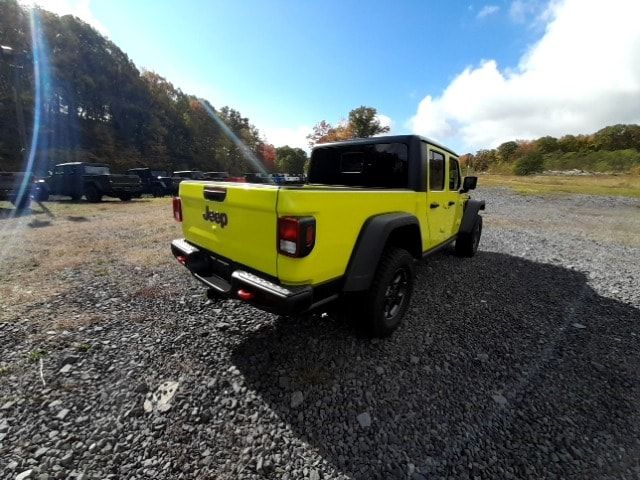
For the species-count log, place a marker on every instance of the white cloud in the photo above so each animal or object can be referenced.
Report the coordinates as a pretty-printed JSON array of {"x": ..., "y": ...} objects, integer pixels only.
[
  {"x": 488, "y": 10},
  {"x": 583, "y": 74},
  {"x": 523, "y": 11},
  {"x": 294, "y": 137},
  {"x": 385, "y": 121},
  {"x": 77, "y": 8}
]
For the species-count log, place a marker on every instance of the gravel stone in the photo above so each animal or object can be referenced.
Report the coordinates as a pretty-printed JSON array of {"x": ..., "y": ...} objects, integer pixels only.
[
  {"x": 62, "y": 414},
  {"x": 24, "y": 475},
  {"x": 499, "y": 399},
  {"x": 364, "y": 419},
  {"x": 66, "y": 369},
  {"x": 296, "y": 399},
  {"x": 40, "y": 452}
]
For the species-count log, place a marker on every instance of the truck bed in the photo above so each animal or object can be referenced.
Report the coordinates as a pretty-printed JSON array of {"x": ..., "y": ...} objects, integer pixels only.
[{"x": 250, "y": 215}]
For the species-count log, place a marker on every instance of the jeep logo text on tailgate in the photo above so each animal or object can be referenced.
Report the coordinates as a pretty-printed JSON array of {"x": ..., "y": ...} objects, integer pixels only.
[{"x": 215, "y": 217}]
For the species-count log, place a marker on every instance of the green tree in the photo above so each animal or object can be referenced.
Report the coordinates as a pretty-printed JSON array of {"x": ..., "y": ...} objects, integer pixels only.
[
  {"x": 506, "y": 151},
  {"x": 529, "y": 164},
  {"x": 291, "y": 160},
  {"x": 364, "y": 122},
  {"x": 547, "y": 144},
  {"x": 618, "y": 137}
]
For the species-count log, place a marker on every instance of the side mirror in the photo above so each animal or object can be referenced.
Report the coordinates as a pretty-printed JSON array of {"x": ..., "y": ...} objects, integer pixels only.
[
  {"x": 49, "y": 172},
  {"x": 469, "y": 183}
]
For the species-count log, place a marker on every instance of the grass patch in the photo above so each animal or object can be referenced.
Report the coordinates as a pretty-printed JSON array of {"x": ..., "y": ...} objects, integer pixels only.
[
  {"x": 36, "y": 355},
  {"x": 603, "y": 185},
  {"x": 83, "y": 347}
]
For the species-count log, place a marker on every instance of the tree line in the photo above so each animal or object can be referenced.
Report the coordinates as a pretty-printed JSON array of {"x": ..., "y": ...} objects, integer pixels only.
[
  {"x": 615, "y": 148},
  {"x": 95, "y": 105}
]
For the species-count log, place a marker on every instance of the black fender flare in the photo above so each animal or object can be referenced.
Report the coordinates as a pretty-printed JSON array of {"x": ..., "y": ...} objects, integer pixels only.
[
  {"x": 370, "y": 244},
  {"x": 469, "y": 217}
]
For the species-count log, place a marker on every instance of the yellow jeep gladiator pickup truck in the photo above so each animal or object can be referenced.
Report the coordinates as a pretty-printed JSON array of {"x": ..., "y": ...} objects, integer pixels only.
[{"x": 352, "y": 233}]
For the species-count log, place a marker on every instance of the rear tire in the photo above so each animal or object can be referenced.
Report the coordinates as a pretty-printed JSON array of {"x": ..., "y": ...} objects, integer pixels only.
[
  {"x": 467, "y": 243},
  {"x": 383, "y": 306},
  {"x": 92, "y": 194}
]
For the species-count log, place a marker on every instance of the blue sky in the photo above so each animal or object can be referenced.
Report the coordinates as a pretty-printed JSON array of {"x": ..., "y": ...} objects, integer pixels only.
[{"x": 289, "y": 64}]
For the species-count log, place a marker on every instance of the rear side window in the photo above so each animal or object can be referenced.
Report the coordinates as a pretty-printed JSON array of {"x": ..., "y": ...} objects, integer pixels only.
[
  {"x": 454, "y": 175},
  {"x": 436, "y": 171},
  {"x": 380, "y": 165},
  {"x": 96, "y": 170}
]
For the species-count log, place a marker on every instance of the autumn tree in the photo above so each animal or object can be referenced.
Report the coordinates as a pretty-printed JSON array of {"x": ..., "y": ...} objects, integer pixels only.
[
  {"x": 363, "y": 122},
  {"x": 267, "y": 153}
]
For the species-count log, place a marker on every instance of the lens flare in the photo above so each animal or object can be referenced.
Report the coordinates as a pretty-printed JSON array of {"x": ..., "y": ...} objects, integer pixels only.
[
  {"x": 246, "y": 151},
  {"x": 41, "y": 81}
]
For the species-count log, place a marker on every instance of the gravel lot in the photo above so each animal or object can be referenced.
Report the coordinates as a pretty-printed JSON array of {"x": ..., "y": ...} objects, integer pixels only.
[{"x": 523, "y": 362}]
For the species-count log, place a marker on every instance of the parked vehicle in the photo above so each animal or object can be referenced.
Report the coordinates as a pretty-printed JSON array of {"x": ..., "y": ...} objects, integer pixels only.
[
  {"x": 351, "y": 235},
  {"x": 172, "y": 182},
  {"x": 11, "y": 184},
  {"x": 218, "y": 176},
  {"x": 190, "y": 175},
  {"x": 152, "y": 184},
  {"x": 91, "y": 180}
]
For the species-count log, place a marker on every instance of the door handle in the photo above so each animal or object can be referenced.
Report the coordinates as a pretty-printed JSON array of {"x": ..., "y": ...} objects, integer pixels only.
[
  {"x": 434, "y": 205},
  {"x": 451, "y": 203}
]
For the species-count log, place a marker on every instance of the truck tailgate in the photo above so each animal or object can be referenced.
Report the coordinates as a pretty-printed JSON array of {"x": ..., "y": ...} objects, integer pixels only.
[{"x": 236, "y": 221}]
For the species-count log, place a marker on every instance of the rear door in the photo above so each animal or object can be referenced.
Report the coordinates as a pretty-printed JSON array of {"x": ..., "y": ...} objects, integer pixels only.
[
  {"x": 454, "y": 199},
  {"x": 57, "y": 180},
  {"x": 71, "y": 180},
  {"x": 441, "y": 216},
  {"x": 235, "y": 221}
]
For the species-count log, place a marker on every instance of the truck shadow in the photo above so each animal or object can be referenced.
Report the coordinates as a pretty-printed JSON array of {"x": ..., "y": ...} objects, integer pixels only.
[{"x": 504, "y": 368}]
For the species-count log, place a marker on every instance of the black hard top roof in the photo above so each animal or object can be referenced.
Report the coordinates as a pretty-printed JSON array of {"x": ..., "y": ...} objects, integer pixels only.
[{"x": 387, "y": 139}]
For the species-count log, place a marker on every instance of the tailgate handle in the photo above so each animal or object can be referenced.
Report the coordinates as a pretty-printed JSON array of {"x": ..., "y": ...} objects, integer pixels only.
[{"x": 215, "y": 194}]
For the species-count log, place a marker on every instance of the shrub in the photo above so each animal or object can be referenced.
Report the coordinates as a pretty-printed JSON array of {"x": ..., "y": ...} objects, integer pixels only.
[{"x": 529, "y": 164}]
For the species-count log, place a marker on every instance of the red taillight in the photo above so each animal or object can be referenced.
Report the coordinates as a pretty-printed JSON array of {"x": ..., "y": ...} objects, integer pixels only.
[
  {"x": 177, "y": 209},
  {"x": 245, "y": 295},
  {"x": 182, "y": 259},
  {"x": 296, "y": 235}
]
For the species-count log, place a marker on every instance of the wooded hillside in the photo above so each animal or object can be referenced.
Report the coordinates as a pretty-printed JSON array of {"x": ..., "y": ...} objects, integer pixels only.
[{"x": 97, "y": 106}]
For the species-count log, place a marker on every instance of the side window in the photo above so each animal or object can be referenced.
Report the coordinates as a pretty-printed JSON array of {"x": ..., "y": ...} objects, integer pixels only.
[
  {"x": 454, "y": 175},
  {"x": 69, "y": 169},
  {"x": 58, "y": 170},
  {"x": 436, "y": 171}
]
